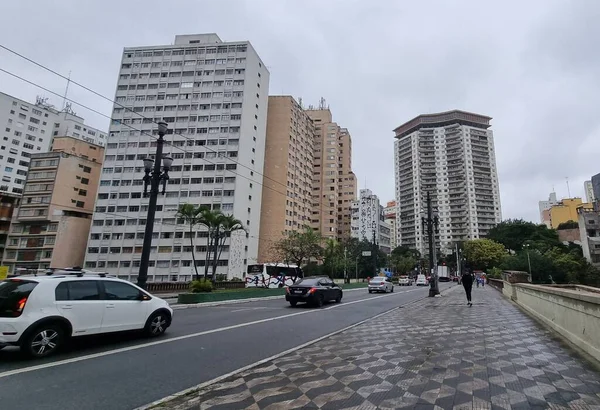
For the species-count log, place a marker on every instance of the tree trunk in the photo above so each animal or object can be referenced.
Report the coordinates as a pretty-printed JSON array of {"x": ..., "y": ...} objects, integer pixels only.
[
  {"x": 207, "y": 257},
  {"x": 215, "y": 254},
  {"x": 193, "y": 255}
]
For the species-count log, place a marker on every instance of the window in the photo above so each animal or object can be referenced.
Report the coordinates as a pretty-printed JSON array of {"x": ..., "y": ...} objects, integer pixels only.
[
  {"x": 78, "y": 290},
  {"x": 120, "y": 291}
]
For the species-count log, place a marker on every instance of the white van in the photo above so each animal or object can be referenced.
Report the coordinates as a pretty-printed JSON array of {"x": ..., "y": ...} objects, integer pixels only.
[{"x": 421, "y": 281}]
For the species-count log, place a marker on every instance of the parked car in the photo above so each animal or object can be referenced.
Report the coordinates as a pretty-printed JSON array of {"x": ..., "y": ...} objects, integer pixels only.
[
  {"x": 314, "y": 290},
  {"x": 422, "y": 280},
  {"x": 405, "y": 281},
  {"x": 381, "y": 284},
  {"x": 39, "y": 313}
]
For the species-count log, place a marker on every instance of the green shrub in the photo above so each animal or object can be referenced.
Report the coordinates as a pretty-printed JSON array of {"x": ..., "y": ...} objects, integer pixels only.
[
  {"x": 236, "y": 279},
  {"x": 199, "y": 286}
]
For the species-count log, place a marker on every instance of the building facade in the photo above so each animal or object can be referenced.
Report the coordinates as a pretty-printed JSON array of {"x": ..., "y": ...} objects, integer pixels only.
[
  {"x": 589, "y": 232},
  {"x": 389, "y": 215},
  {"x": 588, "y": 187},
  {"x": 8, "y": 204},
  {"x": 288, "y": 173},
  {"x": 28, "y": 129},
  {"x": 596, "y": 186},
  {"x": 50, "y": 228},
  {"x": 334, "y": 183},
  {"x": 566, "y": 210},
  {"x": 213, "y": 95},
  {"x": 545, "y": 206},
  {"x": 368, "y": 221},
  {"x": 451, "y": 156}
]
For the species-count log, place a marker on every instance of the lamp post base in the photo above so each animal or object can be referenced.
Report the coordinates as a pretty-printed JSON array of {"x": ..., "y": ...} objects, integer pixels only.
[{"x": 433, "y": 292}]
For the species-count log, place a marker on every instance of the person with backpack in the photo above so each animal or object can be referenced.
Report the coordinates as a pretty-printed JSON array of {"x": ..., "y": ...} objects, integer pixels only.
[{"x": 467, "y": 282}]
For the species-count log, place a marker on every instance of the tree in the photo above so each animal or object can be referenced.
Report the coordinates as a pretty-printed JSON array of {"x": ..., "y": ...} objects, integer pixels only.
[
  {"x": 299, "y": 246},
  {"x": 220, "y": 227},
  {"x": 403, "y": 264},
  {"x": 513, "y": 233},
  {"x": 228, "y": 224},
  {"x": 406, "y": 252},
  {"x": 189, "y": 213},
  {"x": 568, "y": 225},
  {"x": 483, "y": 253}
]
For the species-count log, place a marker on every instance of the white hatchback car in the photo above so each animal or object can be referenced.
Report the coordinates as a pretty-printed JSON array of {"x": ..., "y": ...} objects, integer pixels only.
[
  {"x": 39, "y": 313},
  {"x": 380, "y": 284}
]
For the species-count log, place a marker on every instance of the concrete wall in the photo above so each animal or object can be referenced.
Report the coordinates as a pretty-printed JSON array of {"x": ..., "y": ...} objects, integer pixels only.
[{"x": 572, "y": 311}]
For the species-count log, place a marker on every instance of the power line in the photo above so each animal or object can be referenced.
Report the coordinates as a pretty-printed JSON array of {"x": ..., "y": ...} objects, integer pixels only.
[{"x": 136, "y": 113}]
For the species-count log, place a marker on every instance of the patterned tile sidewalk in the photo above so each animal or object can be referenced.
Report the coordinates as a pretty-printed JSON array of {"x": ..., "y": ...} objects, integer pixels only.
[{"x": 435, "y": 354}]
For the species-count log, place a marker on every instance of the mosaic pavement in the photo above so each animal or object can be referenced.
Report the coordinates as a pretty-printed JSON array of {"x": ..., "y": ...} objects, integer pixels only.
[{"x": 435, "y": 354}]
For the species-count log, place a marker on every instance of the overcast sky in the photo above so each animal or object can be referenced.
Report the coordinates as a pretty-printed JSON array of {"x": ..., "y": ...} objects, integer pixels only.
[{"x": 533, "y": 66}]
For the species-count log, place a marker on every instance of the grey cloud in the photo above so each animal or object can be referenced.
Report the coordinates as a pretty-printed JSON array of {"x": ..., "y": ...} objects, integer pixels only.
[{"x": 532, "y": 66}]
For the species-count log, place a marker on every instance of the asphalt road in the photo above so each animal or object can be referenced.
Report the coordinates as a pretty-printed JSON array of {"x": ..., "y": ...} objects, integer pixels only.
[{"x": 125, "y": 371}]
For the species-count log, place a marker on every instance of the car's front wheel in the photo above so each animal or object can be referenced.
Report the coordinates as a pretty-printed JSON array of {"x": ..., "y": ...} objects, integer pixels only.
[
  {"x": 157, "y": 324},
  {"x": 44, "y": 340},
  {"x": 338, "y": 299}
]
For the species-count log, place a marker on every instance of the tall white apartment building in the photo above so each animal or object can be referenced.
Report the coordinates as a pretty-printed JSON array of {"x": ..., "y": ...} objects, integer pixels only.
[
  {"x": 214, "y": 96},
  {"x": 449, "y": 155},
  {"x": 27, "y": 129},
  {"x": 368, "y": 221},
  {"x": 545, "y": 206},
  {"x": 389, "y": 215}
]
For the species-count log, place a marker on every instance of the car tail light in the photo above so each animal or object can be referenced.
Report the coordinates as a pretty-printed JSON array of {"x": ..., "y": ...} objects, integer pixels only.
[
  {"x": 20, "y": 306},
  {"x": 312, "y": 290}
]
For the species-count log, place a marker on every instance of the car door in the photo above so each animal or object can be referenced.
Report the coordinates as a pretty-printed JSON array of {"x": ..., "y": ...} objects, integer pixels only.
[
  {"x": 79, "y": 302},
  {"x": 124, "y": 309}
]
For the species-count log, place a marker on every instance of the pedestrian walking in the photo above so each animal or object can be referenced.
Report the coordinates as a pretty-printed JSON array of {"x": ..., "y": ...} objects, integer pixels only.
[{"x": 467, "y": 282}]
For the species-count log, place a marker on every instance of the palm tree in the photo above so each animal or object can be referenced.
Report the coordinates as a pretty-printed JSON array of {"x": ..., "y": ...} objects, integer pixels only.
[
  {"x": 212, "y": 221},
  {"x": 189, "y": 213},
  {"x": 227, "y": 225}
]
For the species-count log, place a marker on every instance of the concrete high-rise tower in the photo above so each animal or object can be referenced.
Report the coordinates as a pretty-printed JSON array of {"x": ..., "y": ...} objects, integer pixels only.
[
  {"x": 451, "y": 156},
  {"x": 213, "y": 95}
]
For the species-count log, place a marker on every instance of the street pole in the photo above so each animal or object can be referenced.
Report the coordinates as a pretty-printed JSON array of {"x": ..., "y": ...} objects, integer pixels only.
[
  {"x": 346, "y": 265},
  {"x": 356, "y": 265},
  {"x": 457, "y": 261},
  {"x": 529, "y": 263},
  {"x": 374, "y": 255},
  {"x": 434, "y": 289},
  {"x": 154, "y": 176}
]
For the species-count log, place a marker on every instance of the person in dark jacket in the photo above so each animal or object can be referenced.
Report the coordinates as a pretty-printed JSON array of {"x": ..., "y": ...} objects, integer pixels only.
[{"x": 467, "y": 282}]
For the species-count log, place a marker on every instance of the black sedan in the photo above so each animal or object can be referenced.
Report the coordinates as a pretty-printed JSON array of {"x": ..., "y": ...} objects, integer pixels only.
[{"x": 314, "y": 290}]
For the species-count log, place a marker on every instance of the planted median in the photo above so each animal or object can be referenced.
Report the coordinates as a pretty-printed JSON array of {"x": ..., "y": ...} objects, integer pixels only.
[{"x": 202, "y": 293}]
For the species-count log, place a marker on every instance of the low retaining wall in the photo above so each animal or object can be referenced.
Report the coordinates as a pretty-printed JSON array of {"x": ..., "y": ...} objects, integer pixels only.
[{"x": 571, "y": 310}]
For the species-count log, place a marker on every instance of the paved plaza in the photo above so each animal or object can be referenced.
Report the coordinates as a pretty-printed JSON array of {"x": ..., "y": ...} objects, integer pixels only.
[{"x": 436, "y": 353}]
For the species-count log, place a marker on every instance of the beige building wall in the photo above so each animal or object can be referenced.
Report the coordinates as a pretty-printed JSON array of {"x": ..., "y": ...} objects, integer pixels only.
[
  {"x": 334, "y": 183},
  {"x": 288, "y": 171},
  {"x": 51, "y": 226}
]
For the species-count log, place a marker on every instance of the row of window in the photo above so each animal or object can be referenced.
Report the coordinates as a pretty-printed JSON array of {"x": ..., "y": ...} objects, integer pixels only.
[
  {"x": 153, "y": 249},
  {"x": 190, "y": 84},
  {"x": 184, "y": 63},
  {"x": 204, "y": 73},
  {"x": 188, "y": 51},
  {"x": 142, "y": 222},
  {"x": 158, "y": 264}
]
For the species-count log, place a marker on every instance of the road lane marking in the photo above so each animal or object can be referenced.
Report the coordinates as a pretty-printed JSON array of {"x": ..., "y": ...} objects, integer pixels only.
[
  {"x": 252, "y": 308},
  {"x": 263, "y": 361},
  {"x": 183, "y": 337}
]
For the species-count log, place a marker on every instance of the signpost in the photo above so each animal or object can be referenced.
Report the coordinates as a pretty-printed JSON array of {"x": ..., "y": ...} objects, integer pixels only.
[{"x": 366, "y": 253}]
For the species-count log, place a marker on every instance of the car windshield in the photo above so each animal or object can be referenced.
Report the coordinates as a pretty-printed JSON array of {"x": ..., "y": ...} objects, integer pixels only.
[
  {"x": 309, "y": 281},
  {"x": 11, "y": 291}
]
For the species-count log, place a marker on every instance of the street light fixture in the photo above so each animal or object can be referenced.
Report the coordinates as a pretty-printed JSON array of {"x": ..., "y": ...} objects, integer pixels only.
[
  {"x": 432, "y": 223},
  {"x": 153, "y": 177},
  {"x": 526, "y": 246}
]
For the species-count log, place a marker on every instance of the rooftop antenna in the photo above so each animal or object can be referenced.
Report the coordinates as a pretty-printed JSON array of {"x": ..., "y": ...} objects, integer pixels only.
[
  {"x": 66, "y": 91},
  {"x": 300, "y": 102},
  {"x": 568, "y": 189},
  {"x": 322, "y": 104}
]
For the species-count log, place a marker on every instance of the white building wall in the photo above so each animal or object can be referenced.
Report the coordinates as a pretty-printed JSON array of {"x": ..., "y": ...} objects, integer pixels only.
[
  {"x": 367, "y": 219},
  {"x": 221, "y": 169}
]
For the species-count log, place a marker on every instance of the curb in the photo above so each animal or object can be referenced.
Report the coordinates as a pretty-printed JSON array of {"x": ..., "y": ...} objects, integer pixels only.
[
  {"x": 159, "y": 403},
  {"x": 178, "y": 306}
]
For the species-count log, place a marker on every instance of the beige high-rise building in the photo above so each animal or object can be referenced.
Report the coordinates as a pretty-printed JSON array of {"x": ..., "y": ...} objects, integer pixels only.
[
  {"x": 288, "y": 173},
  {"x": 334, "y": 183},
  {"x": 50, "y": 227}
]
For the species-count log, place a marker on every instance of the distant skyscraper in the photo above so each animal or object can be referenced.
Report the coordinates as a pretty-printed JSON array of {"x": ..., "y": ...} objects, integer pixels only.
[
  {"x": 287, "y": 202},
  {"x": 545, "y": 206},
  {"x": 213, "y": 95},
  {"x": 389, "y": 213},
  {"x": 334, "y": 183},
  {"x": 368, "y": 221},
  {"x": 596, "y": 186},
  {"x": 589, "y": 191},
  {"x": 451, "y": 156}
]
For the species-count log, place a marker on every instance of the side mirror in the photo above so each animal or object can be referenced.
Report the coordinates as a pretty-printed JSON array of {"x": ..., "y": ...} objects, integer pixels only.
[{"x": 143, "y": 297}]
